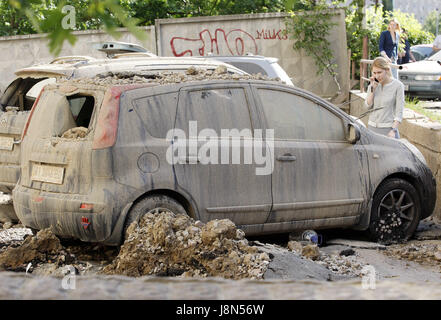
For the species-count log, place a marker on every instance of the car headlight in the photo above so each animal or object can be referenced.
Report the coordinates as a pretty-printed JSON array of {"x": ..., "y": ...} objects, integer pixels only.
[
  {"x": 414, "y": 150},
  {"x": 431, "y": 77}
]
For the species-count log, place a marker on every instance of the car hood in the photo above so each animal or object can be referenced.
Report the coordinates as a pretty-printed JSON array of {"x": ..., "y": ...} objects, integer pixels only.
[{"x": 426, "y": 66}]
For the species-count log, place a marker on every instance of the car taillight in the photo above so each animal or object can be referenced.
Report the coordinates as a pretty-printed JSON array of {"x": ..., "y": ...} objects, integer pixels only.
[
  {"x": 107, "y": 125},
  {"x": 30, "y": 115}
]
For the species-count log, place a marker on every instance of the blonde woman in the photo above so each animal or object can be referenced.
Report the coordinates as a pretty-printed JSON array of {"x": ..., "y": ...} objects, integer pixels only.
[
  {"x": 388, "y": 44},
  {"x": 387, "y": 95}
]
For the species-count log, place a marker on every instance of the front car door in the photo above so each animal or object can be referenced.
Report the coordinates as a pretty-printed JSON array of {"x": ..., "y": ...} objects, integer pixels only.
[
  {"x": 220, "y": 183},
  {"x": 319, "y": 178}
]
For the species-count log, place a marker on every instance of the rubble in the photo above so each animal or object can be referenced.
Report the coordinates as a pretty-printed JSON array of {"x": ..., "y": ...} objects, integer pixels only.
[
  {"x": 167, "y": 77},
  {"x": 166, "y": 244},
  {"x": 426, "y": 253},
  {"x": 39, "y": 248},
  {"x": 75, "y": 133}
]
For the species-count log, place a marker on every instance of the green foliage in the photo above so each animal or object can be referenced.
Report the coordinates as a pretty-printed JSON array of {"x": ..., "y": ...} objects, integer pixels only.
[
  {"x": 430, "y": 22},
  {"x": 309, "y": 25},
  {"x": 37, "y": 16},
  {"x": 46, "y": 16},
  {"x": 376, "y": 24}
]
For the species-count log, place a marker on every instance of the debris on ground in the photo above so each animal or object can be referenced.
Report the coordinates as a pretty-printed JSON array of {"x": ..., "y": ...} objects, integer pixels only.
[
  {"x": 75, "y": 133},
  {"x": 44, "y": 246},
  {"x": 428, "y": 229},
  {"x": 13, "y": 236},
  {"x": 425, "y": 253},
  {"x": 166, "y": 244},
  {"x": 342, "y": 262}
]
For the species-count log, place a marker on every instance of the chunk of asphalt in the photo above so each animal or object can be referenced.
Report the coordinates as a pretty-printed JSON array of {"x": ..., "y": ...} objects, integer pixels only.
[
  {"x": 347, "y": 252},
  {"x": 357, "y": 244},
  {"x": 288, "y": 265}
]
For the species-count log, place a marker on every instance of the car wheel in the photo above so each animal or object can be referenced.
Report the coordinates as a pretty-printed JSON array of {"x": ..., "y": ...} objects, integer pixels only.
[
  {"x": 396, "y": 212},
  {"x": 152, "y": 204}
]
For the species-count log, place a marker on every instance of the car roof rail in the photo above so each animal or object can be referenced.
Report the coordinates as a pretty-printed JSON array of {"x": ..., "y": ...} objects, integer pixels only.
[
  {"x": 71, "y": 59},
  {"x": 134, "y": 55}
]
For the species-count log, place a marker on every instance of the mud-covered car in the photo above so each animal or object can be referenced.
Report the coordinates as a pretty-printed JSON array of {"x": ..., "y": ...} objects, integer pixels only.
[
  {"x": 20, "y": 95},
  {"x": 149, "y": 147}
]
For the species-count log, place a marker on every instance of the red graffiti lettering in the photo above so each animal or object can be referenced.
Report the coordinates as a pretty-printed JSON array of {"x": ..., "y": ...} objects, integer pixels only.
[
  {"x": 235, "y": 42},
  {"x": 272, "y": 34}
]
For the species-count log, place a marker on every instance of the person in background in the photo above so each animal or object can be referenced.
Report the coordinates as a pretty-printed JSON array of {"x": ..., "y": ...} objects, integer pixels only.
[
  {"x": 388, "y": 44},
  {"x": 386, "y": 94},
  {"x": 405, "y": 56},
  {"x": 437, "y": 44}
]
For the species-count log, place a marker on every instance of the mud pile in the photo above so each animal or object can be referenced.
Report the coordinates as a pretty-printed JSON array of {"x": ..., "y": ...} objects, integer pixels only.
[
  {"x": 166, "y": 244},
  {"x": 167, "y": 77},
  {"x": 423, "y": 253},
  {"x": 43, "y": 247}
]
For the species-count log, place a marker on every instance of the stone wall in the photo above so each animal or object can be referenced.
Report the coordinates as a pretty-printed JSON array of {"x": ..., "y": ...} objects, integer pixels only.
[
  {"x": 259, "y": 34},
  {"x": 418, "y": 130}
]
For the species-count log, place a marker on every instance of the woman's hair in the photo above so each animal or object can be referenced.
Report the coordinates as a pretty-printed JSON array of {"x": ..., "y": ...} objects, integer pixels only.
[
  {"x": 382, "y": 63},
  {"x": 397, "y": 23}
]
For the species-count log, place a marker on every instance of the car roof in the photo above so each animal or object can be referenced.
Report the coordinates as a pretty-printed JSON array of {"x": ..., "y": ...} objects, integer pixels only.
[
  {"x": 245, "y": 57},
  {"x": 87, "y": 66}
]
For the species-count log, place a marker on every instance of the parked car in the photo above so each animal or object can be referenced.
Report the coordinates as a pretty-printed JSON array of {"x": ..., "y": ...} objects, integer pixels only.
[
  {"x": 423, "y": 78},
  {"x": 257, "y": 64},
  {"x": 326, "y": 171},
  {"x": 21, "y": 94},
  {"x": 422, "y": 51}
]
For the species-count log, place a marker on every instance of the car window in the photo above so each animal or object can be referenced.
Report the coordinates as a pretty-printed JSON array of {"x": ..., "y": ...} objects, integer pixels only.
[
  {"x": 294, "y": 117},
  {"x": 158, "y": 113},
  {"x": 215, "y": 109},
  {"x": 251, "y": 68}
]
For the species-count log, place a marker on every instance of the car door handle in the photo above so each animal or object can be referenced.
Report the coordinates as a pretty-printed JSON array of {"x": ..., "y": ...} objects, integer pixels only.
[{"x": 287, "y": 157}]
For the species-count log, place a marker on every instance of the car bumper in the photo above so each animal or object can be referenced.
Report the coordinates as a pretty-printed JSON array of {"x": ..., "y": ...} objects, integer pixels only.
[
  {"x": 40, "y": 210},
  {"x": 423, "y": 88},
  {"x": 428, "y": 194}
]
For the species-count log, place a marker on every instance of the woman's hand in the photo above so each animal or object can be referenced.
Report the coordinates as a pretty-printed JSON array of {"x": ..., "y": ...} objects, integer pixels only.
[
  {"x": 374, "y": 83},
  {"x": 391, "y": 134}
]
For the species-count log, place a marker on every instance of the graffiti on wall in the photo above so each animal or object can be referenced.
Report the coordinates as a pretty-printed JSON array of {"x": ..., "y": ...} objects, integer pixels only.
[{"x": 221, "y": 42}]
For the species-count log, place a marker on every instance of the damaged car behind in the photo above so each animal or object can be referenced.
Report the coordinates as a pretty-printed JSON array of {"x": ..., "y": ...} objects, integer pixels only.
[
  {"x": 326, "y": 171},
  {"x": 20, "y": 95}
]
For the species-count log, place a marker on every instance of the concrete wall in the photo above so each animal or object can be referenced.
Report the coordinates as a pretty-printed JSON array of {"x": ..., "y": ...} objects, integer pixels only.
[
  {"x": 23, "y": 51},
  {"x": 262, "y": 34},
  {"x": 418, "y": 130}
]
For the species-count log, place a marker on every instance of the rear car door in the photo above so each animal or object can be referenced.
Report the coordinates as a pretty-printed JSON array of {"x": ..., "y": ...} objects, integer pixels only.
[
  {"x": 221, "y": 184},
  {"x": 317, "y": 174}
]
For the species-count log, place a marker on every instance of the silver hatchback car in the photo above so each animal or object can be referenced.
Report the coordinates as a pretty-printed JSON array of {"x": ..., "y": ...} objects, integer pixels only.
[{"x": 270, "y": 157}]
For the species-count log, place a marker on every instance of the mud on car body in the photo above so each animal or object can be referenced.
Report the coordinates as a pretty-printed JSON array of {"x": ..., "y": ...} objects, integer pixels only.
[
  {"x": 328, "y": 171},
  {"x": 20, "y": 95}
]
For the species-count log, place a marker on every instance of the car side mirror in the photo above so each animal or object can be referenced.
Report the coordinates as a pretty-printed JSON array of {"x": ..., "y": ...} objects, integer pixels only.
[{"x": 353, "y": 133}]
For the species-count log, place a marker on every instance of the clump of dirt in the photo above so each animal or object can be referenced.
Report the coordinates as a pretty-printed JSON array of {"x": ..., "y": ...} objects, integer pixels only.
[
  {"x": 166, "y": 244},
  {"x": 75, "y": 133},
  {"x": 42, "y": 247},
  {"x": 425, "y": 253}
]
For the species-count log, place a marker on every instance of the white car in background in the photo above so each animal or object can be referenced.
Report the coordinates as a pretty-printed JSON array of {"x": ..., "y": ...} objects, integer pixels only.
[{"x": 252, "y": 64}]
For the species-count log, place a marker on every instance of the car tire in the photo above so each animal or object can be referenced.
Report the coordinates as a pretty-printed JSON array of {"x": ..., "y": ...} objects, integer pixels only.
[
  {"x": 395, "y": 213},
  {"x": 154, "y": 202}
]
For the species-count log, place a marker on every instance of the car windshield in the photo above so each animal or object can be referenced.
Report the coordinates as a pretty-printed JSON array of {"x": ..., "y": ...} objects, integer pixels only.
[{"x": 435, "y": 57}]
